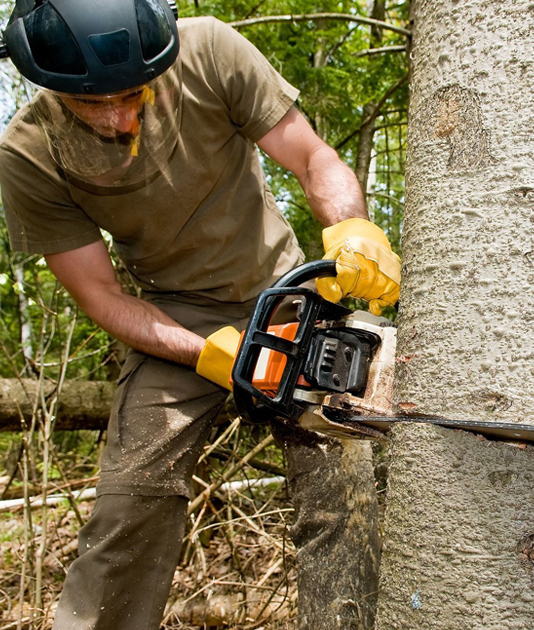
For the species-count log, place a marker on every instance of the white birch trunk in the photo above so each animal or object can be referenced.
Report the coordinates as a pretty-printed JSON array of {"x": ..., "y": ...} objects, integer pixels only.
[
  {"x": 24, "y": 311},
  {"x": 460, "y": 521}
]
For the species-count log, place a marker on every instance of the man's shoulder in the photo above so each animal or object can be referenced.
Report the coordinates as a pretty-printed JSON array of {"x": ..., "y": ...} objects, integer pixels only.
[
  {"x": 23, "y": 151},
  {"x": 21, "y": 134},
  {"x": 203, "y": 30},
  {"x": 201, "y": 26}
]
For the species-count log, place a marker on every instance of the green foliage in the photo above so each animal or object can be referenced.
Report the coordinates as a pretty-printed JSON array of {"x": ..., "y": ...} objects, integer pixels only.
[{"x": 30, "y": 297}]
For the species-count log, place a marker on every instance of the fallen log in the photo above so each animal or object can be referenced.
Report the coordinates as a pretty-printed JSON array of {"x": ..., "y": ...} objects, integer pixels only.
[{"x": 81, "y": 404}]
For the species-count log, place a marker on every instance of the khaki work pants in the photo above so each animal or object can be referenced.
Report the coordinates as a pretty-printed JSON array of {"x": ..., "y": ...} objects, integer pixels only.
[{"x": 129, "y": 548}]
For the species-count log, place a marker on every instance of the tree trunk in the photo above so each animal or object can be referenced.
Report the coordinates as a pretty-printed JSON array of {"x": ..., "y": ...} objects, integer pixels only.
[
  {"x": 82, "y": 405},
  {"x": 459, "y": 526},
  {"x": 335, "y": 530}
]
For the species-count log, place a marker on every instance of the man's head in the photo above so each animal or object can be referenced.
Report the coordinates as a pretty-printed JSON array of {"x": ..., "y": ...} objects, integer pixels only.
[{"x": 100, "y": 70}]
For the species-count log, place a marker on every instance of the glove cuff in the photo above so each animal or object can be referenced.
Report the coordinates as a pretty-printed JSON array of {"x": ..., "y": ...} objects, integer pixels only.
[
  {"x": 216, "y": 358},
  {"x": 336, "y": 234}
]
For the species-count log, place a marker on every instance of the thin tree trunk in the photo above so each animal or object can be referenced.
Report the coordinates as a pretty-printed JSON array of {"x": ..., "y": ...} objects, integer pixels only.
[
  {"x": 365, "y": 146},
  {"x": 459, "y": 525},
  {"x": 26, "y": 338}
]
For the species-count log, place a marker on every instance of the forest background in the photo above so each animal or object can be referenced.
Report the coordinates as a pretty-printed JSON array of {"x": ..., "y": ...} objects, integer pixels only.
[{"x": 350, "y": 62}]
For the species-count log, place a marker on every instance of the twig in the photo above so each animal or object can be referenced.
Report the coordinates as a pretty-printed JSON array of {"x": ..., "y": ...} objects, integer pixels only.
[
  {"x": 223, "y": 454},
  {"x": 28, "y": 527},
  {"x": 226, "y": 434},
  {"x": 16, "y": 624},
  {"x": 266, "y": 604},
  {"x": 240, "y": 518},
  {"x": 379, "y": 51},
  {"x": 255, "y": 528},
  {"x": 70, "y": 494},
  {"x": 51, "y": 499},
  {"x": 194, "y": 505},
  {"x": 47, "y": 428},
  {"x": 376, "y": 111},
  {"x": 5, "y": 595},
  {"x": 187, "y": 554}
]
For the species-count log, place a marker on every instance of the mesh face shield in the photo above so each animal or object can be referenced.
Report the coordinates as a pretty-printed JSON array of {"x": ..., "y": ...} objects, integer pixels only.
[{"x": 114, "y": 140}]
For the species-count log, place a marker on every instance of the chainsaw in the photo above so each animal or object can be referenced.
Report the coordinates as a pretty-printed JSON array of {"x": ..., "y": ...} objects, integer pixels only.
[{"x": 332, "y": 370}]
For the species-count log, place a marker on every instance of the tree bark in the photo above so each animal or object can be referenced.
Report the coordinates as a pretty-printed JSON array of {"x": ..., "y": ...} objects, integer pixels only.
[
  {"x": 459, "y": 525},
  {"x": 82, "y": 404},
  {"x": 459, "y": 533}
]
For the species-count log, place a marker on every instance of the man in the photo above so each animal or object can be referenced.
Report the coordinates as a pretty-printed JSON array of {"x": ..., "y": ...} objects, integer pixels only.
[{"x": 158, "y": 148}]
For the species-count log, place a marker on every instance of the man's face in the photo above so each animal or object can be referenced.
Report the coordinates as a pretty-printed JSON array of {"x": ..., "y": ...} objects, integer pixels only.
[
  {"x": 111, "y": 140},
  {"x": 110, "y": 116}
]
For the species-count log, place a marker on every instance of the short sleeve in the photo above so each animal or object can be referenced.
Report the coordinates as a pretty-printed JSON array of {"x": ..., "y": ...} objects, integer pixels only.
[
  {"x": 41, "y": 217},
  {"x": 257, "y": 95}
]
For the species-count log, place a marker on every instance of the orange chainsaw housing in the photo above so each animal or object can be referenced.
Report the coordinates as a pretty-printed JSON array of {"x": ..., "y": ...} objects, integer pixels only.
[{"x": 271, "y": 364}]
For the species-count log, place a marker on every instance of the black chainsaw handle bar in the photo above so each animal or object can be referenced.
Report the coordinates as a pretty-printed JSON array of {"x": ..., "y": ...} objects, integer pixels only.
[
  {"x": 308, "y": 271},
  {"x": 253, "y": 404}
]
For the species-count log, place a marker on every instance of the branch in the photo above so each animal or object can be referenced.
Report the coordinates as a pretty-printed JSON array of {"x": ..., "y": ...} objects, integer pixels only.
[
  {"x": 311, "y": 17},
  {"x": 378, "y": 51},
  {"x": 388, "y": 197},
  {"x": 375, "y": 113}
]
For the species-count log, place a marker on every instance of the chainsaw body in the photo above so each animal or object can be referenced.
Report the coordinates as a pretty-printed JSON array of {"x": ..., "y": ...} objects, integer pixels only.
[{"x": 288, "y": 370}]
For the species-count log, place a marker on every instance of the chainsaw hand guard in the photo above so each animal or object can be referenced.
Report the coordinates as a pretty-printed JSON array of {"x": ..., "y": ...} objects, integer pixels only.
[{"x": 253, "y": 404}]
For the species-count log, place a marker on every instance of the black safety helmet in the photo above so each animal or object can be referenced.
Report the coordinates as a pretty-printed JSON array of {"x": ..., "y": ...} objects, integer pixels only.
[{"x": 91, "y": 46}]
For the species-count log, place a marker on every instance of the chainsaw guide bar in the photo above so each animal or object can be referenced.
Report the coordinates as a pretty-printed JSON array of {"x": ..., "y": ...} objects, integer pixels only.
[{"x": 338, "y": 411}]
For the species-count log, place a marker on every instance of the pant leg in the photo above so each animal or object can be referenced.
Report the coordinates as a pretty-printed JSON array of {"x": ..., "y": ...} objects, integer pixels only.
[
  {"x": 130, "y": 546},
  {"x": 161, "y": 416},
  {"x": 128, "y": 550}
]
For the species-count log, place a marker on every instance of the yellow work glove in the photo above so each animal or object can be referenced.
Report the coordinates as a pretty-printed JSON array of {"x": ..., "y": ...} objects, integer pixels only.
[
  {"x": 216, "y": 358},
  {"x": 365, "y": 263}
]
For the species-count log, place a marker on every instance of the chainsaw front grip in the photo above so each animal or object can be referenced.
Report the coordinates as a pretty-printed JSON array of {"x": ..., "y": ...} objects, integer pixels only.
[{"x": 308, "y": 271}]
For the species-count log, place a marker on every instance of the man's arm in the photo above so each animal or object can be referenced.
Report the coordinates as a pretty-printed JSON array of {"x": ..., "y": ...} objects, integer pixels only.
[
  {"x": 88, "y": 275},
  {"x": 331, "y": 188}
]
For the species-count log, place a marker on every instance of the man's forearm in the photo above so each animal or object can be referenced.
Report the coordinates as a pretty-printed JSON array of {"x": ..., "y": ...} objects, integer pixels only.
[
  {"x": 332, "y": 189},
  {"x": 88, "y": 275},
  {"x": 143, "y": 326}
]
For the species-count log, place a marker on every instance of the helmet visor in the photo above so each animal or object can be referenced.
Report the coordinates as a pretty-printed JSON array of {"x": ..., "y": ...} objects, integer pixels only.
[{"x": 114, "y": 140}]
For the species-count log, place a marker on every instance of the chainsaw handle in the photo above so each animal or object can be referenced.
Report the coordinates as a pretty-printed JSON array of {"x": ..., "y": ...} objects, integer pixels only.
[
  {"x": 253, "y": 404},
  {"x": 308, "y": 271}
]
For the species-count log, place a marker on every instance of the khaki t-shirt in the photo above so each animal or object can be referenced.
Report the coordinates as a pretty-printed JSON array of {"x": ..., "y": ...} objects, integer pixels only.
[{"x": 207, "y": 228}]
